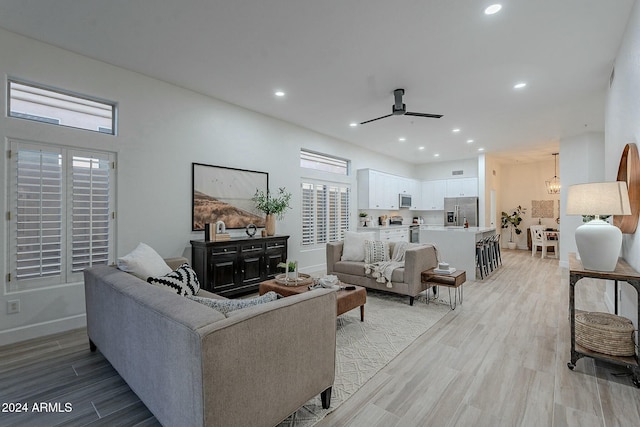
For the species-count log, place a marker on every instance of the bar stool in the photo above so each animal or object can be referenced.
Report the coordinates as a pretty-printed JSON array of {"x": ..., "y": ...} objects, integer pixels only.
[
  {"x": 488, "y": 250},
  {"x": 481, "y": 259},
  {"x": 496, "y": 245}
]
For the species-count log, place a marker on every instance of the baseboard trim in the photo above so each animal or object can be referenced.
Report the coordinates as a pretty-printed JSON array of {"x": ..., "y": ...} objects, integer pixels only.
[{"x": 23, "y": 333}]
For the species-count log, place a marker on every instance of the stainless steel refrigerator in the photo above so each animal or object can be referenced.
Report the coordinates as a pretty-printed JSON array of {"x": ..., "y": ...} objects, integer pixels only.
[{"x": 456, "y": 209}]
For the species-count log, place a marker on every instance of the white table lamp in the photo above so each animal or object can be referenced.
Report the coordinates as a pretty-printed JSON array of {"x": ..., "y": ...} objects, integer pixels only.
[{"x": 598, "y": 241}]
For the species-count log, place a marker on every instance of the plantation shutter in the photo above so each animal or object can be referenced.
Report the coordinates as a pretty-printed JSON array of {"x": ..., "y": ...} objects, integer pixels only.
[
  {"x": 90, "y": 211},
  {"x": 325, "y": 212},
  {"x": 38, "y": 209},
  {"x": 308, "y": 215},
  {"x": 60, "y": 203},
  {"x": 321, "y": 213}
]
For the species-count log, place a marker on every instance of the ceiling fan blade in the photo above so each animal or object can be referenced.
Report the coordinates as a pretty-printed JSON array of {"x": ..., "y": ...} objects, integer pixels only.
[
  {"x": 373, "y": 120},
  {"x": 432, "y": 116}
]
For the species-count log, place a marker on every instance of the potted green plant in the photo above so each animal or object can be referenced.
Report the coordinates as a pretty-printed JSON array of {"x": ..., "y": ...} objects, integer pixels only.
[
  {"x": 273, "y": 207},
  {"x": 512, "y": 222},
  {"x": 290, "y": 268}
]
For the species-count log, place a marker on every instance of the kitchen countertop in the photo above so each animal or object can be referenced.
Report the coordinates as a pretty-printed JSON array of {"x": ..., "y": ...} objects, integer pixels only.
[
  {"x": 457, "y": 229},
  {"x": 382, "y": 227}
]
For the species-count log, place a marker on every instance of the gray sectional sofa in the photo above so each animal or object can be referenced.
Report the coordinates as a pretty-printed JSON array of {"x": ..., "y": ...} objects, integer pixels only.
[
  {"x": 192, "y": 366},
  {"x": 405, "y": 281}
]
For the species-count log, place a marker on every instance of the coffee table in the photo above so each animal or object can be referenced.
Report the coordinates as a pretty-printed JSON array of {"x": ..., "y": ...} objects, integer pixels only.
[{"x": 346, "y": 300}]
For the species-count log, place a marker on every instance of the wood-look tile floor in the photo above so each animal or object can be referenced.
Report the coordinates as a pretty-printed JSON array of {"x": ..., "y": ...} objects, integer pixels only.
[{"x": 499, "y": 359}]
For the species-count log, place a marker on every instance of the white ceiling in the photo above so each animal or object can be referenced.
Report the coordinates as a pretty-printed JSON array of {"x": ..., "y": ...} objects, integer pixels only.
[{"x": 339, "y": 61}]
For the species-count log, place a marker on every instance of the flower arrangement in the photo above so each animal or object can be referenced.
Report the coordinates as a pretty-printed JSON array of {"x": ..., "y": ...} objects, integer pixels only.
[
  {"x": 512, "y": 221},
  {"x": 272, "y": 205}
]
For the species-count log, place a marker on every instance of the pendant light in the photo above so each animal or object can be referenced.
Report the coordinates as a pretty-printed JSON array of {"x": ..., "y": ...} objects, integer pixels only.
[{"x": 553, "y": 185}]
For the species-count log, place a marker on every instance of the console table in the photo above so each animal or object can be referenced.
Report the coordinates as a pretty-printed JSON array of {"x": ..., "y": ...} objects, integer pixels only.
[
  {"x": 623, "y": 272},
  {"x": 237, "y": 266}
]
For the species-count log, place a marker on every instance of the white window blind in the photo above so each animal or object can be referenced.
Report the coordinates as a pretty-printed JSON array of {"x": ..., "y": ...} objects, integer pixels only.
[
  {"x": 90, "y": 212},
  {"x": 61, "y": 202},
  {"x": 38, "y": 221},
  {"x": 33, "y": 101},
  {"x": 325, "y": 212},
  {"x": 323, "y": 162}
]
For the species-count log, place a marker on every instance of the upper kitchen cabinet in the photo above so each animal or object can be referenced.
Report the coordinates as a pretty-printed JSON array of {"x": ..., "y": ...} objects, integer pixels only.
[
  {"x": 379, "y": 190},
  {"x": 374, "y": 189},
  {"x": 462, "y": 187},
  {"x": 433, "y": 194}
]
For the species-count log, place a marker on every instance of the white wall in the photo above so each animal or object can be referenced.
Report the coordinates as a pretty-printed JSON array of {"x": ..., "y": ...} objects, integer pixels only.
[
  {"x": 581, "y": 161},
  {"x": 622, "y": 126},
  {"x": 162, "y": 130},
  {"x": 443, "y": 170},
  {"x": 520, "y": 183}
]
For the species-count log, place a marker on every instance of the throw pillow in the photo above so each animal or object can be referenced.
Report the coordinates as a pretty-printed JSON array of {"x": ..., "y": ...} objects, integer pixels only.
[
  {"x": 375, "y": 251},
  {"x": 143, "y": 262},
  {"x": 225, "y": 306},
  {"x": 182, "y": 281},
  {"x": 353, "y": 248}
]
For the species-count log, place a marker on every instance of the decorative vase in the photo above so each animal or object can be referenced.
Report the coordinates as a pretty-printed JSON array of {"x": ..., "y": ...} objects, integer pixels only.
[{"x": 270, "y": 225}]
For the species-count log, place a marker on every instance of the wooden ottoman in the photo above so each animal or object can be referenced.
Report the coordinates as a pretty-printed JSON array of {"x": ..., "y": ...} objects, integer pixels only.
[{"x": 346, "y": 300}]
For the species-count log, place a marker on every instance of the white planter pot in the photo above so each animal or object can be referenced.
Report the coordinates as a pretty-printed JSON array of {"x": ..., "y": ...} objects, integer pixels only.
[{"x": 511, "y": 245}]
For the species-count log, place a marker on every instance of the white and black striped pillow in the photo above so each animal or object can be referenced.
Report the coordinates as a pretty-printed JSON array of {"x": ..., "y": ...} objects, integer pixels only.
[
  {"x": 375, "y": 251},
  {"x": 182, "y": 280}
]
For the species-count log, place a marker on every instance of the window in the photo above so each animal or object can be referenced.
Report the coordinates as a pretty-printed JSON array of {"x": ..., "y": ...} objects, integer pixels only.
[
  {"x": 323, "y": 162},
  {"x": 31, "y": 101},
  {"x": 325, "y": 212},
  {"x": 61, "y": 204}
]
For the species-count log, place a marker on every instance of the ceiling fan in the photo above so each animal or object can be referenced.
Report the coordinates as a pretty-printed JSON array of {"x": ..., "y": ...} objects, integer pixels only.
[{"x": 400, "y": 109}]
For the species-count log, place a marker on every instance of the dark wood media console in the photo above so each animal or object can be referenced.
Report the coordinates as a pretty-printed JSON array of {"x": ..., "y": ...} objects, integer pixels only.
[{"x": 237, "y": 266}]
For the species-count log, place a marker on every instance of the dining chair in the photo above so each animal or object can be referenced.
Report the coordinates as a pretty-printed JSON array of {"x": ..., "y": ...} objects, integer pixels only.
[{"x": 540, "y": 238}]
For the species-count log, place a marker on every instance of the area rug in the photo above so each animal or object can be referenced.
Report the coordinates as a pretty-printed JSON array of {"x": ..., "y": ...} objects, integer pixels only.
[{"x": 363, "y": 348}]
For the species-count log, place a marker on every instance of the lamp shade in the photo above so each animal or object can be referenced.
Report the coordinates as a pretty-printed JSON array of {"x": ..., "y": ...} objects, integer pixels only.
[
  {"x": 598, "y": 242},
  {"x": 599, "y": 198}
]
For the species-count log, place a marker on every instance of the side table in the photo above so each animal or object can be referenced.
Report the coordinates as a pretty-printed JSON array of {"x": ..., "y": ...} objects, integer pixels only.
[
  {"x": 454, "y": 280},
  {"x": 623, "y": 272}
]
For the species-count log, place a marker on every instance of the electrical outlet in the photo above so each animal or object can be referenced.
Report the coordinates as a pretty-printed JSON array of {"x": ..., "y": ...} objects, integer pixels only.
[{"x": 13, "y": 306}]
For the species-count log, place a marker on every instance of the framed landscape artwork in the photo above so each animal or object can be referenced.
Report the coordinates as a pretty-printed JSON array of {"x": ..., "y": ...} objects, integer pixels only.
[{"x": 224, "y": 194}]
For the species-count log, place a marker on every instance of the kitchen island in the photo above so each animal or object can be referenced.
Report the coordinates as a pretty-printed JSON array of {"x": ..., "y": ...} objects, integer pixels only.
[{"x": 456, "y": 245}]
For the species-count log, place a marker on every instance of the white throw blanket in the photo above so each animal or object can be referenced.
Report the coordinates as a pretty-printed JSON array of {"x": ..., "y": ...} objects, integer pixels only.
[{"x": 383, "y": 270}]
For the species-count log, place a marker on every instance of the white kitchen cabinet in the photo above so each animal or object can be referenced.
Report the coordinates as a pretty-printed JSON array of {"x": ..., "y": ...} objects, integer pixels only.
[
  {"x": 378, "y": 190},
  {"x": 433, "y": 194},
  {"x": 400, "y": 234},
  {"x": 462, "y": 187},
  {"x": 391, "y": 233}
]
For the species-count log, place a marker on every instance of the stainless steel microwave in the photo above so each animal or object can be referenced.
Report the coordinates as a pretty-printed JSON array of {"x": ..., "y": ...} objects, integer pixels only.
[{"x": 405, "y": 201}]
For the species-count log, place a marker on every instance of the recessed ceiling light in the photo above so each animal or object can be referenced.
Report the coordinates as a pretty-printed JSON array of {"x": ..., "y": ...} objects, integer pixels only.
[
  {"x": 480, "y": 149},
  {"x": 353, "y": 124},
  {"x": 494, "y": 8},
  {"x": 279, "y": 93},
  {"x": 455, "y": 130},
  {"x": 420, "y": 148},
  {"x": 519, "y": 85},
  {"x": 469, "y": 141},
  {"x": 436, "y": 155},
  {"x": 402, "y": 139}
]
